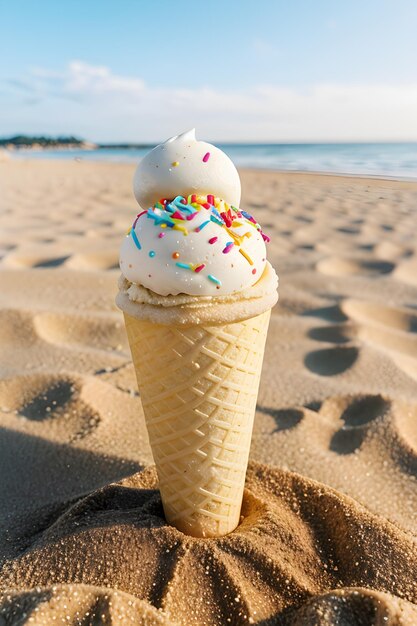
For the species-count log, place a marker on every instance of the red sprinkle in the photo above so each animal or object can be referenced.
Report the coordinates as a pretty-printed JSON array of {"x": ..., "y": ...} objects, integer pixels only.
[
  {"x": 254, "y": 271},
  {"x": 137, "y": 217},
  {"x": 213, "y": 240},
  {"x": 206, "y": 157},
  {"x": 200, "y": 267},
  {"x": 227, "y": 219},
  {"x": 177, "y": 215},
  {"x": 210, "y": 199},
  {"x": 206, "y": 205},
  {"x": 191, "y": 216},
  {"x": 193, "y": 198}
]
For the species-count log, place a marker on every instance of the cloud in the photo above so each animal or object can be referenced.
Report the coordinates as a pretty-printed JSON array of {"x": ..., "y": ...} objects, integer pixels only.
[{"x": 95, "y": 102}]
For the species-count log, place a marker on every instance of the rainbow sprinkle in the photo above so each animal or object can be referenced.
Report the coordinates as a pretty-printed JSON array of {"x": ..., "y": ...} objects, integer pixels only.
[
  {"x": 135, "y": 239},
  {"x": 197, "y": 230},
  {"x": 228, "y": 247},
  {"x": 214, "y": 279},
  {"x": 177, "y": 212},
  {"x": 247, "y": 257},
  {"x": 206, "y": 157}
]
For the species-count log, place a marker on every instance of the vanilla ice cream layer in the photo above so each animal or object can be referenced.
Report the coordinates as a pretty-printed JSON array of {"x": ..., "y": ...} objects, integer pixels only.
[{"x": 183, "y": 309}]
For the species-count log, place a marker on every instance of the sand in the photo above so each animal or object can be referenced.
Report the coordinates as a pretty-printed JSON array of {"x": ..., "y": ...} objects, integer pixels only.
[{"x": 329, "y": 516}]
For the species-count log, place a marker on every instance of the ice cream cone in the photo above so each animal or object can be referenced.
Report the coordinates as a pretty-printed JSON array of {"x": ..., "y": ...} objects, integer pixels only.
[{"x": 198, "y": 386}]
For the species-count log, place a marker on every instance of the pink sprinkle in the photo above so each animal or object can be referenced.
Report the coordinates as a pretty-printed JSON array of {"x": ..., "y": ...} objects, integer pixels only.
[
  {"x": 177, "y": 215},
  {"x": 265, "y": 237},
  {"x": 228, "y": 248},
  {"x": 200, "y": 267},
  {"x": 161, "y": 235},
  {"x": 213, "y": 240},
  {"x": 137, "y": 217},
  {"x": 206, "y": 157},
  {"x": 210, "y": 199},
  {"x": 191, "y": 216}
]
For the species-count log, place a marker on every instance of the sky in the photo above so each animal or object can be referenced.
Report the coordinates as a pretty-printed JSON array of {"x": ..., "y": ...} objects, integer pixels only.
[{"x": 259, "y": 71}]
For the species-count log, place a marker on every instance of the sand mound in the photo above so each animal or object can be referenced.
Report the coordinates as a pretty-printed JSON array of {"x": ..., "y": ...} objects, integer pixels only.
[
  {"x": 78, "y": 605},
  {"x": 298, "y": 539}
]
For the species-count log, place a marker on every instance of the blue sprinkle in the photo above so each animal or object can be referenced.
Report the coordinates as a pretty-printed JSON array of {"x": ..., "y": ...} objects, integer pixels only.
[
  {"x": 247, "y": 215},
  {"x": 135, "y": 239},
  {"x": 214, "y": 279},
  {"x": 151, "y": 253},
  {"x": 216, "y": 221},
  {"x": 184, "y": 266},
  {"x": 197, "y": 230}
]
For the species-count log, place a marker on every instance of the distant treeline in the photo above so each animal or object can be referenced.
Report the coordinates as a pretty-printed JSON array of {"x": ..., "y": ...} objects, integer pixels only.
[
  {"x": 41, "y": 140},
  {"x": 26, "y": 141}
]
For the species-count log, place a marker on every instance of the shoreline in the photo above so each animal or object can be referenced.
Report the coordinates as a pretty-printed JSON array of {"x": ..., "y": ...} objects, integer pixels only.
[{"x": 337, "y": 176}]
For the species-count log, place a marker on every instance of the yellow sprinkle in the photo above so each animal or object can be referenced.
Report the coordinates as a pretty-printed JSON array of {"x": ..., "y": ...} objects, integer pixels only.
[
  {"x": 178, "y": 227},
  {"x": 237, "y": 239},
  {"x": 163, "y": 225},
  {"x": 128, "y": 231},
  {"x": 175, "y": 164},
  {"x": 247, "y": 257}
]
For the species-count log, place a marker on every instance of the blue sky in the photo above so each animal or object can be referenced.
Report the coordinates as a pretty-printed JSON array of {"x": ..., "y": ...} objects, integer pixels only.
[{"x": 262, "y": 70}]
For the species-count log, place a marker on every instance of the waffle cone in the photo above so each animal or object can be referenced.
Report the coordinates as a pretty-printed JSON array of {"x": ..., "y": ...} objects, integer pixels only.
[{"x": 199, "y": 386}]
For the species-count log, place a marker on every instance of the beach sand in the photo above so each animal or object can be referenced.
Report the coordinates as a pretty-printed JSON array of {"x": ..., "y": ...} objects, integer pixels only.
[{"x": 329, "y": 513}]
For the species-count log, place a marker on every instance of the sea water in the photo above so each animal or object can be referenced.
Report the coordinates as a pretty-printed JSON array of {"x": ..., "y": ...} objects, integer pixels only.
[{"x": 397, "y": 160}]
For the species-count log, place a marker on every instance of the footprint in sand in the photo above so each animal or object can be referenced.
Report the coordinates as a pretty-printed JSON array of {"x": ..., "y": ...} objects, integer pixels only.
[
  {"x": 46, "y": 397},
  {"x": 393, "y": 329},
  {"x": 100, "y": 331},
  {"x": 331, "y": 361},
  {"x": 94, "y": 261},
  {"x": 344, "y": 266},
  {"x": 34, "y": 261},
  {"x": 285, "y": 419},
  {"x": 357, "y": 413},
  {"x": 387, "y": 327}
]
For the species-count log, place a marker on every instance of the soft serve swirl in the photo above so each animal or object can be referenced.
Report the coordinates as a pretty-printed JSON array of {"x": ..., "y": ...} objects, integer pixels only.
[{"x": 192, "y": 239}]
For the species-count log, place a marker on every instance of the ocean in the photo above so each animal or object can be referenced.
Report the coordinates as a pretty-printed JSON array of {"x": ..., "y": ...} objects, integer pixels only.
[{"x": 398, "y": 160}]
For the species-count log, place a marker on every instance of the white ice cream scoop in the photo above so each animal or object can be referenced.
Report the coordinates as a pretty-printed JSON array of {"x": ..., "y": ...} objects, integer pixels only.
[{"x": 182, "y": 166}]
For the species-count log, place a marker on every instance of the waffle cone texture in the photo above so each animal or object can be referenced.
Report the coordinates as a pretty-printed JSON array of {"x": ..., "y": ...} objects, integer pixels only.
[{"x": 198, "y": 386}]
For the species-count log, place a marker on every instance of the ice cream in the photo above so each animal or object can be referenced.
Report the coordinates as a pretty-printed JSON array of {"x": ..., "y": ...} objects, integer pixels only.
[
  {"x": 183, "y": 166},
  {"x": 196, "y": 291},
  {"x": 197, "y": 244}
]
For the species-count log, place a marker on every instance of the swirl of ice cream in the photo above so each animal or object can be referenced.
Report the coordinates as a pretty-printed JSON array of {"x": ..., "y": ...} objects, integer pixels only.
[
  {"x": 195, "y": 245},
  {"x": 182, "y": 166}
]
